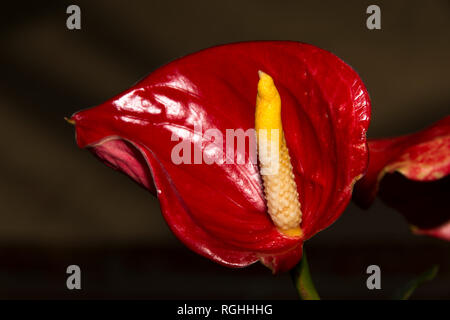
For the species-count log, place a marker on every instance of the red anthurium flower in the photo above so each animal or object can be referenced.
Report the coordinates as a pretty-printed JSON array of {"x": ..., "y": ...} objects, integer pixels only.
[
  {"x": 225, "y": 211},
  {"x": 411, "y": 174}
]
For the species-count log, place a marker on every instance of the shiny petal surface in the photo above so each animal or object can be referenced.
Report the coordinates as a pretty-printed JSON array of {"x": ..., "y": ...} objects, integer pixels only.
[
  {"x": 410, "y": 173},
  {"x": 219, "y": 210}
]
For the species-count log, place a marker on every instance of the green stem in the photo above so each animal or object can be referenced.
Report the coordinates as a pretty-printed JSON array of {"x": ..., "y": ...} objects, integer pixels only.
[{"x": 303, "y": 281}]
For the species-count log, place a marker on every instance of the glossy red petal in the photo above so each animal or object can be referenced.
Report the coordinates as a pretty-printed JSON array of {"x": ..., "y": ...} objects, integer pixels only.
[
  {"x": 219, "y": 210},
  {"x": 420, "y": 188},
  {"x": 283, "y": 261}
]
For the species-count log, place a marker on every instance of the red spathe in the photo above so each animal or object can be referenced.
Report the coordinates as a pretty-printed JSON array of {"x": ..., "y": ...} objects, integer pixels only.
[{"x": 219, "y": 211}]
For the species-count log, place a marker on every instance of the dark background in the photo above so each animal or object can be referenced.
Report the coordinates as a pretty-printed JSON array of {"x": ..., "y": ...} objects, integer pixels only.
[{"x": 60, "y": 206}]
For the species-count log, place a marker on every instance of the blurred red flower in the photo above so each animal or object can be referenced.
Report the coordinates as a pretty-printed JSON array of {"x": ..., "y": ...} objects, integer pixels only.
[{"x": 410, "y": 173}]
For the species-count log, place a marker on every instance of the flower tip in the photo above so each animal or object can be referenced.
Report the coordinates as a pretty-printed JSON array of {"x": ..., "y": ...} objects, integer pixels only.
[
  {"x": 265, "y": 79},
  {"x": 70, "y": 120},
  {"x": 261, "y": 74},
  {"x": 266, "y": 86}
]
